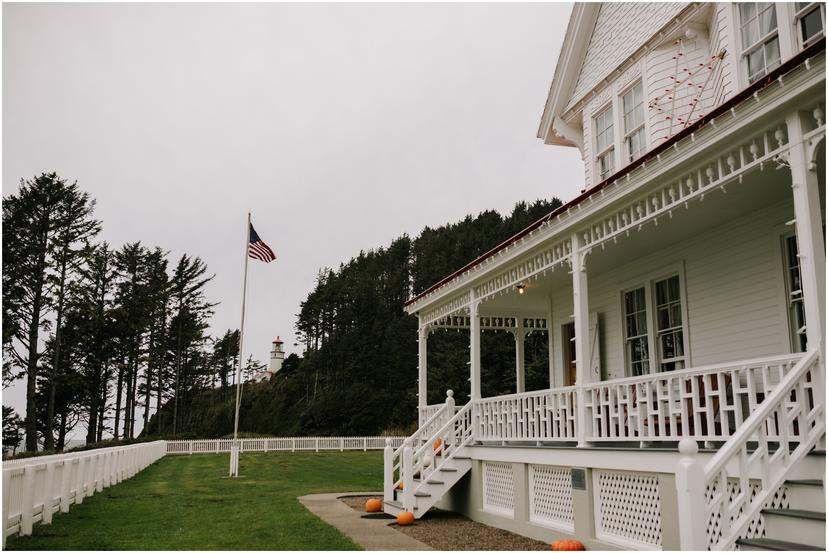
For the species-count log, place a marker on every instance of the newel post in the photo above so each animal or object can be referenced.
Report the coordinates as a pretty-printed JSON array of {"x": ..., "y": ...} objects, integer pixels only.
[
  {"x": 449, "y": 413},
  {"x": 690, "y": 486},
  {"x": 388, "y": 471},
  {"x": 408, "y": 477}
]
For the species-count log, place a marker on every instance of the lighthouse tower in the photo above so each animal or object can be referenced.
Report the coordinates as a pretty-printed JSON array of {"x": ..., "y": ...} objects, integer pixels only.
[{"x": 277, "y": 356}]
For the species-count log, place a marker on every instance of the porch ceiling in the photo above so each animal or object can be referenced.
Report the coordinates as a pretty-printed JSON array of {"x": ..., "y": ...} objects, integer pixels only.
[{"x": 757, "y": 190}]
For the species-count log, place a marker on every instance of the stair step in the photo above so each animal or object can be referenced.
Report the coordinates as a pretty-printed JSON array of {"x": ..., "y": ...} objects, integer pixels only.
[
  {"x": 448, "y": 470},
  {"x": 767, "y": 544},
  {"x": 421, "y": 494},
  {"x": 808, "y": 495},
  {"x": 397, "y": 504},
  {"x": 461, "y": 458},
  {"x": 806, "y": 482},
  {"x": 805, "y": 526},
  {"x": 796, "y": 513},
  {"x": 435, "y": 482}
]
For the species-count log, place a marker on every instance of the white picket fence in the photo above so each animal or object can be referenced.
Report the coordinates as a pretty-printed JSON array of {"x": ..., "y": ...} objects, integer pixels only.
[
  {"x": 349, "y": 443},
  {"x": 36, "y": 488}
]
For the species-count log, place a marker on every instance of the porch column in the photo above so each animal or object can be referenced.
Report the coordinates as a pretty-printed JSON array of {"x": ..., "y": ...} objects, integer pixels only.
[
  {"x": 474, "y": 346},
  {"x": 422, "y": 366},
  {"x": 808, "y": 224},
  {"x": 520, "y": 346},
  {"x": 549, "y": 338},
  {"x": 580, "y": 298}
]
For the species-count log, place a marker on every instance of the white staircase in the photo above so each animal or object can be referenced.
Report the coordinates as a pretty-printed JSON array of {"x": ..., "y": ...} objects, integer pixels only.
[
  {"x": 783, "y": 508},
  {"x": 798, "y": 523},
  {"x": 421, "y": 471}
]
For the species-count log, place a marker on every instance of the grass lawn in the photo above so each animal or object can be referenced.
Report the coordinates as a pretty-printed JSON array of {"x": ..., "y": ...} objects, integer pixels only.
[{"x": 186, "y": 502}]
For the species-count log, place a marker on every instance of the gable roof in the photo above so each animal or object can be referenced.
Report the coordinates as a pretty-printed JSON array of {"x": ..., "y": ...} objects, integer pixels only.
[{"x": 573, "y": 49}]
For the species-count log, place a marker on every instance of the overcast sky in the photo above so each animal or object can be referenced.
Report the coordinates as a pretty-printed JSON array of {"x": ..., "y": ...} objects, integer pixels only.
[{"x": 341, "y": 126}]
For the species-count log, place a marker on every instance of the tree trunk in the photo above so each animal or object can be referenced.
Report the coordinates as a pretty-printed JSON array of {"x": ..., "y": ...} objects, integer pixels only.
[
  {"x": 118, "y": 401},
  {"x": 53, "y": 379},
  {"x": 31, "y": 364}
]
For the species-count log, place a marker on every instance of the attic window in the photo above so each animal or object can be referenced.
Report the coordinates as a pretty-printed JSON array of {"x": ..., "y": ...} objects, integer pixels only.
[
  {"x": 604, "y": 143},
  {"x": 633, "y": 104},
  {"x": 760, "y": 38},
  {"x": 810, "y": 17}
]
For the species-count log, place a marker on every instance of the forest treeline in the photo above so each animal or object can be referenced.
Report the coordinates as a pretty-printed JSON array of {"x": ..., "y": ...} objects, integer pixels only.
[
  {"x": 105, "y": 336},
  {"x": 102, "y": 335},
  {"x": 359, "y": 370}
]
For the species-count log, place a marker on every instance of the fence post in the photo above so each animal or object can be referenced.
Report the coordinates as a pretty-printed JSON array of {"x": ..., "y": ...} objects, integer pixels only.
[
  {"x": 6, "y": 498},
  {"x": 317, "y": 444},
  {"x": 388, "y": 471},
  {"x": 66, "y": 484},
  {"x": 293, "y": 445},
  {"x": 49, "y": 494},
  {"x": 27, "y": 506},
  {"x": 341, "y": 444},
  {"x": 690, "y": 486},
  {"x": 79, "y": 480},
  {"x": 190, "y": 447},
  {"x": 364, "y": 444}
]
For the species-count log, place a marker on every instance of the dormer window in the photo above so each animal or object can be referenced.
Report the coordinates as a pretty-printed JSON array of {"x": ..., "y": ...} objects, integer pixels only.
[
  {"x": 632, "y": 103},
  {"x": 760, "y": 38},
  {"x": 810, "y": 18},
  {"x": 604, "y": 143}
]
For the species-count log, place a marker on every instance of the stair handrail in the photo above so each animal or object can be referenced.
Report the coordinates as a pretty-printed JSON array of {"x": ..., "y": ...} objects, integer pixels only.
[
  {"x": 693, "y": 479},
  {"x": 393, "y": 463},
  {"x": 440, "y": 455}
]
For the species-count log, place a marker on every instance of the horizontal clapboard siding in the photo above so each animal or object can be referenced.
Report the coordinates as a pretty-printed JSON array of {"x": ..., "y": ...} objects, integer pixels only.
[{"x": 734, "y": 285}]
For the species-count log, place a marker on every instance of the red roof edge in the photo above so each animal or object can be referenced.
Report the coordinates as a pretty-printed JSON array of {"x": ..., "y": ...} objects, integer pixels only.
[{"x": 786, "y": 67}]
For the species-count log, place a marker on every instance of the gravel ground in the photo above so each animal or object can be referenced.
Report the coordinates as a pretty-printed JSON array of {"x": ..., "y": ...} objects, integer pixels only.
[{"x": 452, "y": 532}]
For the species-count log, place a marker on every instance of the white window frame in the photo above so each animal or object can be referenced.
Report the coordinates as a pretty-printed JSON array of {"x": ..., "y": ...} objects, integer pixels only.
[
  {"x": 746, "y": 50},
  {"x": 640, "y": 128},
  {"x": 648, "y": 282},
  {"x": 609, "y": 151},
  {"x": 800, "y": 14},
  {"x": 628, "y": 369},
  {"x": 793, "y": 296}
]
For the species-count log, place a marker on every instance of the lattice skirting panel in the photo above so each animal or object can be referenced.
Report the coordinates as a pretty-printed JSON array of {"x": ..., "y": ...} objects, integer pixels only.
[
  {"x": 756, "y": 528},
  {"x": 627, "y": 508},
  {"x": 550, "y": 496},
  {"x": 499, "y": 488}
]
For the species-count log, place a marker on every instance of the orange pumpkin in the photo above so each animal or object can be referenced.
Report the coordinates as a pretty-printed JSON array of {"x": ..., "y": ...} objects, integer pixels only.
[
  {"x": 438, "y": 443},
  {"x": 405, "y": 518},
  {"x": 373, "y": 506},
  {"x": 401, "y": 486},
  {"x": 567, "y": 545}
]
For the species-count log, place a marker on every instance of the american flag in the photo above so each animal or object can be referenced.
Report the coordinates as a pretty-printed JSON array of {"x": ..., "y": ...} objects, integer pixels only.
[{"x": 257, "y": 249}]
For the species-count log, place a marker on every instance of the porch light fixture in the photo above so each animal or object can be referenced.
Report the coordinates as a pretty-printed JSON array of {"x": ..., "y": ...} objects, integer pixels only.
[{"x": 521, "y": 288}]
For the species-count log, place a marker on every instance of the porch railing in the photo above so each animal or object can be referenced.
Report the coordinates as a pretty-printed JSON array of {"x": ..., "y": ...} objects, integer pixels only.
[
  {"x": 540, "y": 416},
  {"x": 706, "y": 403}
]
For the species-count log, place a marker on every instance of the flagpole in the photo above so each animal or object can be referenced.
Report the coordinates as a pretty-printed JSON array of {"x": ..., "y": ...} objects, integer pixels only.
[{"x": 234, "y": 454}]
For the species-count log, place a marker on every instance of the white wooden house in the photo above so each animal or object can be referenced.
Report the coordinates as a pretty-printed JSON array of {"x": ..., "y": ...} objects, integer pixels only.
[{"x": 683, "y": 295}]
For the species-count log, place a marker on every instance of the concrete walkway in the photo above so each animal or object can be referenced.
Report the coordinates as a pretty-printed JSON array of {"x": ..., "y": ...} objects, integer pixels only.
[{"x": 372, "y": 534}]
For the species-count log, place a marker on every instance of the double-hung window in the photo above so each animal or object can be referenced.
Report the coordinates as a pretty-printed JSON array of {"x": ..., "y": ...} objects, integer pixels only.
[
  {"x": 654, "y": 331},
  {"x": 810, "y": 19},
  {"x": 632, "y": 103},
  {"x": 636, "y": 338},
  {"x": 604, "y": 143},
  {"x": 760, "y": 38},
  {"x": 796, "y": 307},
  {"x": 669, "y": 326}
]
